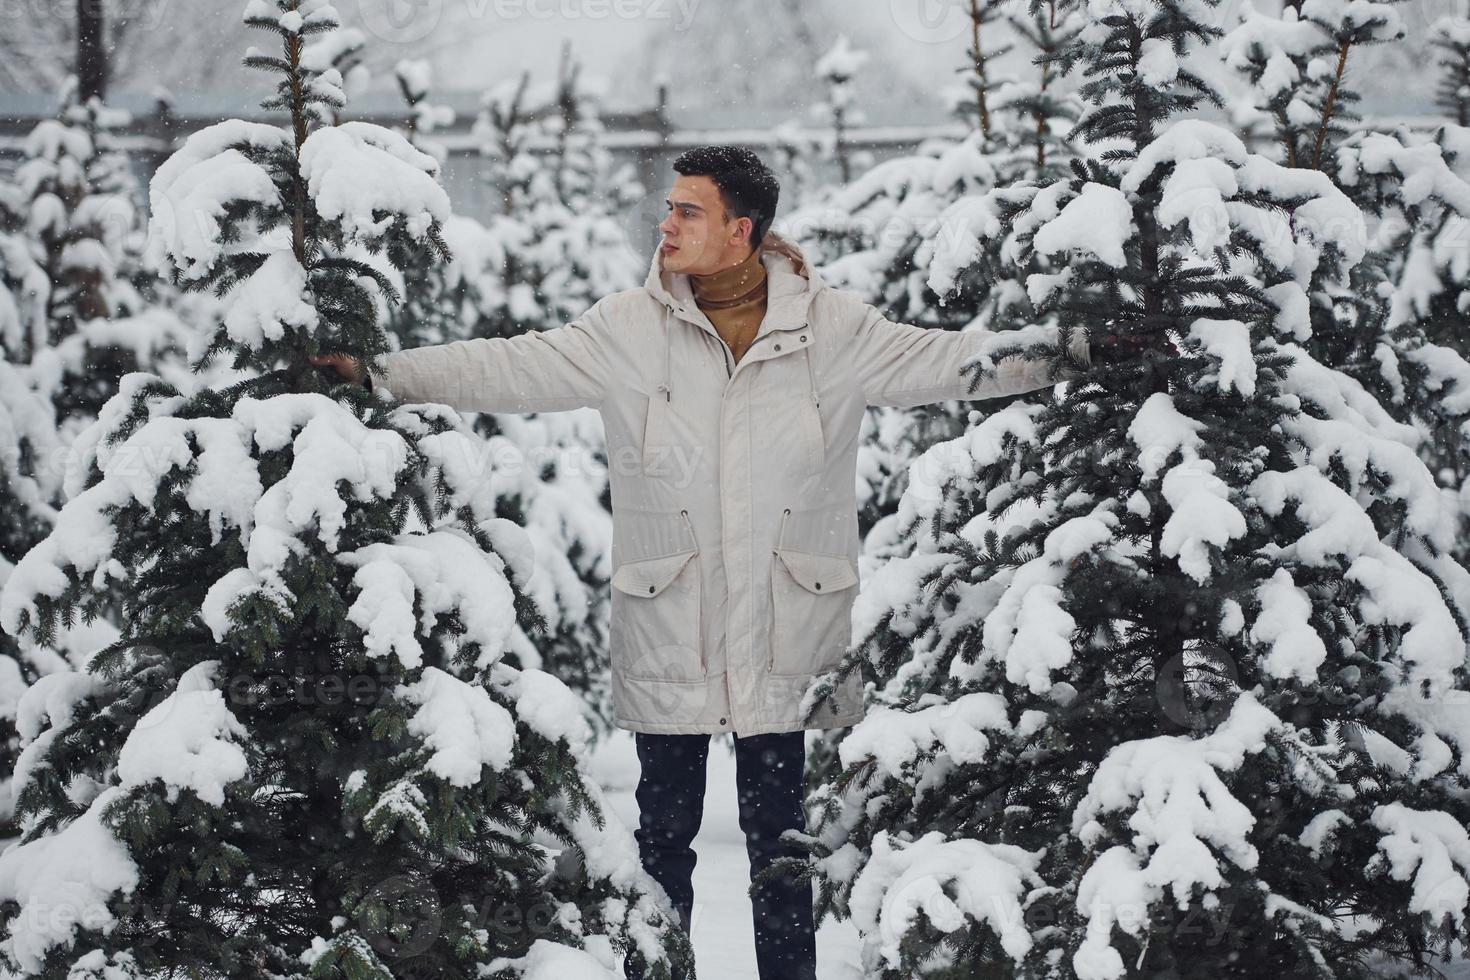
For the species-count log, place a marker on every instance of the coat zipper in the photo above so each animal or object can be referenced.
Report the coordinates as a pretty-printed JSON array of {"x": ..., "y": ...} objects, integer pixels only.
[{"x": 729, "y": 378}]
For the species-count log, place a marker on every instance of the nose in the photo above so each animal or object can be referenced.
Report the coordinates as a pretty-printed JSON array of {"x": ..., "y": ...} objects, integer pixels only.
[{"x": 666, "y": 226}]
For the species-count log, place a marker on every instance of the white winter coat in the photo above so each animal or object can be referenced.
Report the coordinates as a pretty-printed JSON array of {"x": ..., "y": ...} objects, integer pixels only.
[{"x": 735, "y": 536}]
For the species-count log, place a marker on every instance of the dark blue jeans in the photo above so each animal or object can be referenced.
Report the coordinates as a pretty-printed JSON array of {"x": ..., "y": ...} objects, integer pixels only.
[{"x": 768, "y": 781}]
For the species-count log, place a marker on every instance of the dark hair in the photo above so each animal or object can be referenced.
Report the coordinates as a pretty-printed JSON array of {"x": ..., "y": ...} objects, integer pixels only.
[{"x": 747, "y": 186}]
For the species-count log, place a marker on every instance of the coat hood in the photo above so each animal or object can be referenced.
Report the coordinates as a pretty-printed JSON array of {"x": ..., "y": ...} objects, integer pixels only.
[{"x": 792, "y": 283}]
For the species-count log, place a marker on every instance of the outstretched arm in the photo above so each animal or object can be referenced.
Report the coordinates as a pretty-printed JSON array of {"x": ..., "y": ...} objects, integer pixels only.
[
  {"x": 538, "y": 371},
  {"x": 902, "y": 365}
]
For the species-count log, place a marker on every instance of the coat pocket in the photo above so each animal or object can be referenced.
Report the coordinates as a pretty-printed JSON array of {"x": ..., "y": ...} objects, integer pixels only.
[
  {"x": 811, "y": 609},
  {"x": 790, "y": 417},
  {"x": 657, "y": 631},
  {"x": 658, "y": 437},
  {"x": 792, "y": 445},
  {"x": 809, "y": 436}
]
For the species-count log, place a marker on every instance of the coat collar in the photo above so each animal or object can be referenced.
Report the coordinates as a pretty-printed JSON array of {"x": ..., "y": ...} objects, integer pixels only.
[{"x": 791, "y": 285}]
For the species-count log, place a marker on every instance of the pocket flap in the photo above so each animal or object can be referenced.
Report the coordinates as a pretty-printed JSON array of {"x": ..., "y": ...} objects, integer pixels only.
[
  {"x": 649, "y": 576},
  {"x": 819, "y": 573}
]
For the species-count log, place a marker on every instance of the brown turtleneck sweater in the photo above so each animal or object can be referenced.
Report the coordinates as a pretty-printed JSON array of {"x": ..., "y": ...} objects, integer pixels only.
[{"x": 734, "y": 299}]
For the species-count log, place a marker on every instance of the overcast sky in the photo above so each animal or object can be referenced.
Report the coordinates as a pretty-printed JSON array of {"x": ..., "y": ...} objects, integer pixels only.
[
  {"x": 730, "y": 53},
  {"x": 731, "y": 59}
]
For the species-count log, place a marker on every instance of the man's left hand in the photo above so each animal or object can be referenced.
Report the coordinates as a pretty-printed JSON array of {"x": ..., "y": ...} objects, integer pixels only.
[{"x": 1116, "y": 347}]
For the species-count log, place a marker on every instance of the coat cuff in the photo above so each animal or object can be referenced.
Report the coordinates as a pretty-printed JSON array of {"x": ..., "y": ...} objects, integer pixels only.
[
  {"x": 372, "y": 379},
  {"x": 1079, "y": 350}
]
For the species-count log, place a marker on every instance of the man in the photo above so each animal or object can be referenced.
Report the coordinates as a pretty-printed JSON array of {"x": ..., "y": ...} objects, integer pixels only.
[{"x": 732, "y": 385}]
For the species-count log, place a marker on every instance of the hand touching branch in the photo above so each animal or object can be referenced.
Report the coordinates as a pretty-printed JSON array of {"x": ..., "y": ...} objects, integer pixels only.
[
  {"x": 1118, "y": 347},
  {"x": 347, "y": 366}
]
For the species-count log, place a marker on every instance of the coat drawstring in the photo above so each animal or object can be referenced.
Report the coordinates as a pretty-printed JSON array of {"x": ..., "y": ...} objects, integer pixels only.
[
  {"x": 780, "y": 542},
  {"x": 668, "y": 374},
  {"x": 811, "y": 376}
]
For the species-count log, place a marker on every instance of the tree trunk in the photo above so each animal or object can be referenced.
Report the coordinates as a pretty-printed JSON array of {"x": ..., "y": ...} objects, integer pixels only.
[{"x": 91, "y": 56}]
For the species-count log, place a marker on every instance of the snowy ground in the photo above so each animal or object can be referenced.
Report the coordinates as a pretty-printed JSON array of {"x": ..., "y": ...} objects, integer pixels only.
[{"x": 721, "y": 928}]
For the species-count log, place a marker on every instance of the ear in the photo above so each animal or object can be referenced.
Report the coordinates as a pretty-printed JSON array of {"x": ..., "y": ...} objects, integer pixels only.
[{"x": 741, "y": 231}]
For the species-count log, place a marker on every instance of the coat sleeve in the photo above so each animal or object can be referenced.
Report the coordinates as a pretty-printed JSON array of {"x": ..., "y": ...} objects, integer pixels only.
[
  {"x": 902, "y": 365},
  {"x": 552, "y": 370}
]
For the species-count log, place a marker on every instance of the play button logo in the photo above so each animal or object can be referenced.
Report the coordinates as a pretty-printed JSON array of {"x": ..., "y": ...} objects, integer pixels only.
[
  {"x": 400, "y": 21},
  {"x": 400, "y": 12}
]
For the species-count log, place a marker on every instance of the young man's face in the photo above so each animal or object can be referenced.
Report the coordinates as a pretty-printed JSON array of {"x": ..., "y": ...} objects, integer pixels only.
[{"x": 699, "y": 237}]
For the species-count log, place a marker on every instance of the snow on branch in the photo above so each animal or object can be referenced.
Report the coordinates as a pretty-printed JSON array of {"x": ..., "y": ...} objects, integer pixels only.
[
  {"x": 1182, "y": 815},
  {"x": 951, "y": 883}
]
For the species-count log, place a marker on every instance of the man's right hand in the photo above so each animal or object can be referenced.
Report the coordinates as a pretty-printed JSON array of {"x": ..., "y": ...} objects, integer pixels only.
[{"x": 349, "y": 367}]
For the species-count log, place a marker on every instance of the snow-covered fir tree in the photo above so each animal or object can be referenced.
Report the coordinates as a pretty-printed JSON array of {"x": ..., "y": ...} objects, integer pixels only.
[
  {"x": 558, "y": 239},
  {"x": 836, "y": 70},
  {"x": 878, "y": 234},
  {"x": 557, "y": 247},
  {"x": 1174, "y": 667},
  {"x": 30, "y": 483},
  {"x": 582, "y": 247},
  {"x": 78, "y": 204},
  {"x": 504, "y": 286},
  {"x": 553, "y": 480},
  {"x": 340, "y": 50},
  {"x": 1384, "y": 322},
  {"x": 1295, "y": 66},
  {"x": 1298, "y": 63},
  {"x": 1021, "y": 134},
  {"x": 1420, "y": 182},
  {"x": 552, "y": 472},
  {"x": 78, "y": 308},
  {"x": 794, "y": 151},
  {"x": 1450, "y": 36},
  {"x": 1431, "y": 286},
  {"x": 91, "y": 306},
  {"x": 305, "y": 755},
  {"x": 32, "y": 467},
  {"x": 25, "y": 288},
  {"x": 425, "y": 117},
  {"x": 435, "y": 298},
  {"x": 1417, "y": 357}
]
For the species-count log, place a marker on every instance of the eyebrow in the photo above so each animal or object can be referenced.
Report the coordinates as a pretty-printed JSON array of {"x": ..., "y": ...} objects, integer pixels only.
[{"x": 684, "y": 204}]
